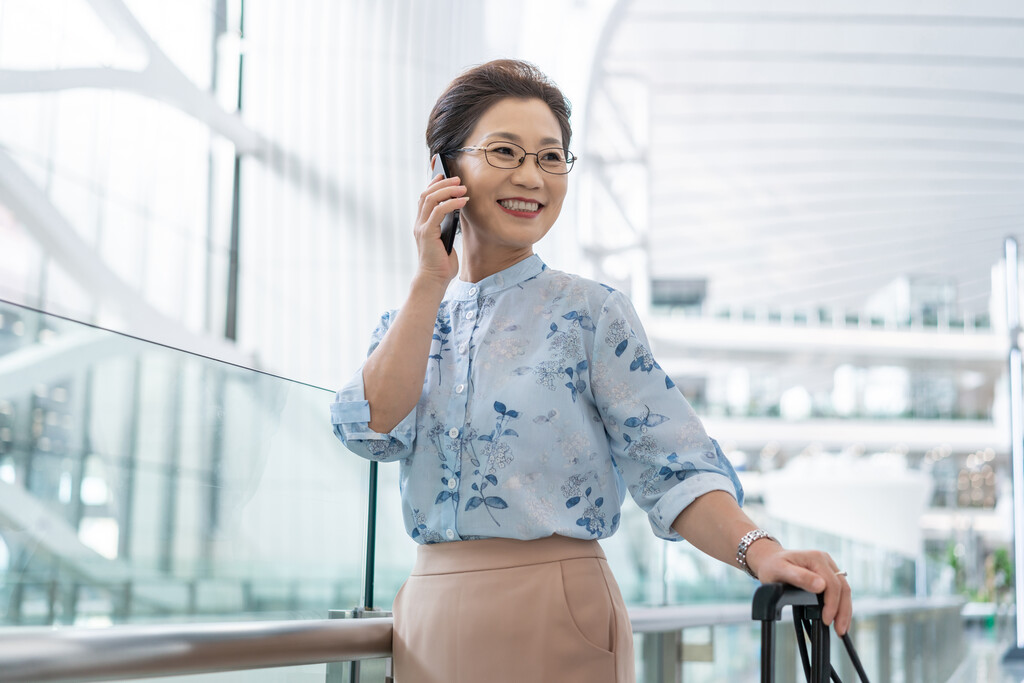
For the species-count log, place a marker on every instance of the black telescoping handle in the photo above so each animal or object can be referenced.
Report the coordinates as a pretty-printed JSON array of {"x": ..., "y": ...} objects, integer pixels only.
[{"x": 769, "y": 599}]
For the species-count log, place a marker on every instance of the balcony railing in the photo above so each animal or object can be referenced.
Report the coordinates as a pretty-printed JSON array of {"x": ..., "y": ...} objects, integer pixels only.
[{"x": 914, "y": 640}]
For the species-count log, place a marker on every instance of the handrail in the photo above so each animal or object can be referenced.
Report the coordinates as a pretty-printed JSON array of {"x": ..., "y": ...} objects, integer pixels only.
[
  {"x": 677, "y": 617},
  {"x": 123, "y": 652},
  {"x": 128, "y": 652}
]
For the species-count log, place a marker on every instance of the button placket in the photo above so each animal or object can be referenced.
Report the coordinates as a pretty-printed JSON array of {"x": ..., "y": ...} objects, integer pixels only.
[{"x": 464, "y": 323}]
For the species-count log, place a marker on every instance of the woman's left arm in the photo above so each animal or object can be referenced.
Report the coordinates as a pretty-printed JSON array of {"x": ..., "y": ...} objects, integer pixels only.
[{"x": 714, "y": 524}]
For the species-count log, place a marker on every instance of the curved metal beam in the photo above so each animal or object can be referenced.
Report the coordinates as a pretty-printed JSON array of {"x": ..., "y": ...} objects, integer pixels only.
[
  {"x": 159, "y": 81},
  {"x": 60, "y": 240}
]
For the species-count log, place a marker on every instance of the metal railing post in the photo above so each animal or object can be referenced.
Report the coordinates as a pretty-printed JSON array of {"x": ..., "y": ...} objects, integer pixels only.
[
  {"x": 1016, "y": 653},
  {"x": 359, "y": 671}
]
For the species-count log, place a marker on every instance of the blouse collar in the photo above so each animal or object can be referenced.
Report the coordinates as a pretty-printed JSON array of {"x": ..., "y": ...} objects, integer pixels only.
[{"x": 529, "y": 267}]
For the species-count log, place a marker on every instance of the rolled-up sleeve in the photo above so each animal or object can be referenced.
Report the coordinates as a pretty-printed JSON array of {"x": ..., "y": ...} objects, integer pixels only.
[
  {"x": 658, "y": 443},
  {"x": 350, "y": 417}
]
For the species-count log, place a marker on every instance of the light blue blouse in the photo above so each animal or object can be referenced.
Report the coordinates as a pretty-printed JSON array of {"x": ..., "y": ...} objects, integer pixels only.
[{"x": 541, "y": 405}]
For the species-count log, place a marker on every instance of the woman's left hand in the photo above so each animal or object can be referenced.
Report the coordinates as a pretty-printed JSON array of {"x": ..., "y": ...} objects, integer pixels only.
[{"x": 811, "y": 570}]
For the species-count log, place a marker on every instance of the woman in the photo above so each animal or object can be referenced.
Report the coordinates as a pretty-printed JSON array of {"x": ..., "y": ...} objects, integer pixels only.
[{"x": 521, "y": 402}]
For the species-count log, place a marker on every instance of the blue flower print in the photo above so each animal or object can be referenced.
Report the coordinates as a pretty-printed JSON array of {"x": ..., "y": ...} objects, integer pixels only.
[
  {"x": 548, "y": 373},
  {"x": 593, "y": 518},
  {"x": 567, "y": 352},
  {"x": 498, "y": 455},
  {"x": 422, "y": 530},
  {"x": 576, "y": 385},
  {"x": 435, "y": 434},
  {"x": 383, "y": 449},
  {"x": 582, "y": 318},
  {"x": 442, "y": 328},
  {"x": 618, "y": 336},
  {"x": 676, "y": 469},
  {"x": 648, "y": 420},
  {"x": 642, "y": 360}
]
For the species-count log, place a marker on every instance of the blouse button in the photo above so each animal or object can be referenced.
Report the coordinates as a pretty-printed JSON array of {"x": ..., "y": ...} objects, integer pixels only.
[
  {"x": 459, "y": 389},
  {"x": 470, "y": 315},
  {"x": 463, "y": 347},
  {"x": 450, "y": 534},
  {"x": 451, "y": 483},
  {"x": 453, "y": 432},
  {"x": 473, "y": 291}
]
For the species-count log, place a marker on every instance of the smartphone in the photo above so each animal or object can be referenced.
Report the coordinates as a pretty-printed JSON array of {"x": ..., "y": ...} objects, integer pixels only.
[{"x": 450, "y": 223}]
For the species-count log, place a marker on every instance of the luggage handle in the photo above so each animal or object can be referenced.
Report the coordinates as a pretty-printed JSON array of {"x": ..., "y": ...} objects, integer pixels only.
[{"x": 769, "y": 599}]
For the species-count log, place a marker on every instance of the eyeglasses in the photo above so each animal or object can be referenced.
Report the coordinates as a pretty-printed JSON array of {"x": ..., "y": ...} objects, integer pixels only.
[{"x": 508, "y": 155}]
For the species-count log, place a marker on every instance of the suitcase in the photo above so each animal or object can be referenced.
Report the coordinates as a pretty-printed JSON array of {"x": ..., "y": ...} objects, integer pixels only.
[{"x": 811, "y": 633}]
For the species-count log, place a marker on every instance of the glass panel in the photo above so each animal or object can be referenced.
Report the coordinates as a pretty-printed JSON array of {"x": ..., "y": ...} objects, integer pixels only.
[
  {"x": 396, "y": 551},
  {"x": 139, "y": 482}
]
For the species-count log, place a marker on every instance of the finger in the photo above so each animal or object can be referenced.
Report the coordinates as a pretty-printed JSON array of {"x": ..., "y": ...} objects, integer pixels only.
[
  {"x": 837, "y": 598},
  {"x": 439, "y": 193},
  {"x": 845, "y": 615},
  {"x": 444, "y": 208},
  {"x": 438, "y": 182},
  {"x": 831, "y": 606},
  {"x": 802, "y": 578}
]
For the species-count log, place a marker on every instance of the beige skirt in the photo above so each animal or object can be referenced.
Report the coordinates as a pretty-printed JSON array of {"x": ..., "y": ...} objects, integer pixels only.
[{"x": 501, "y": 610}]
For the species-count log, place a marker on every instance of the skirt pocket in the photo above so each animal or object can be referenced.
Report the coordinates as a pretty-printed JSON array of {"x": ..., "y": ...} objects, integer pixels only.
[{"x": 588, "y": 602}]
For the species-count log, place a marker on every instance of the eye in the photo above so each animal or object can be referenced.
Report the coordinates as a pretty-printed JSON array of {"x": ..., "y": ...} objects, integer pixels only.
[
  {"x": 553, "y": 155},
  {"x": 503, "y": 150}
]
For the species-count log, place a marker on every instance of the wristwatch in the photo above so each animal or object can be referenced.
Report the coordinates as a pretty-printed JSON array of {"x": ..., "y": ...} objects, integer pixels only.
[{"x": 745, "y": 543}]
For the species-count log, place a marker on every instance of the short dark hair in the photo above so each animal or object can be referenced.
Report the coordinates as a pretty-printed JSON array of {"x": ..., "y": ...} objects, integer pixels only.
[{"x": 476, "y": 90}]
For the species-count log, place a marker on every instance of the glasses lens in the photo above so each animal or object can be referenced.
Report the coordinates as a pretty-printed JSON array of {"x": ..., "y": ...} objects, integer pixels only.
[
  {"x": 555, "y": 160},
  {"x": 504, "y": 154}
]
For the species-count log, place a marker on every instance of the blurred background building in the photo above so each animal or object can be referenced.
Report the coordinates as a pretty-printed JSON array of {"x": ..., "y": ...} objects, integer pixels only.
[{"x": 205, "y": 206}]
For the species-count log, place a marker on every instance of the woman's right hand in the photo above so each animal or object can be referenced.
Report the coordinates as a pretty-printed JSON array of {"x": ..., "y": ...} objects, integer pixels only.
[{"x": 441, "y": 197}]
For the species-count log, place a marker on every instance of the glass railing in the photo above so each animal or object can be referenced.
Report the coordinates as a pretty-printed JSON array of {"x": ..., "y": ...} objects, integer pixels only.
[
  {"x": 140, "y": 483},
  {"x": 653, "y": 572}
]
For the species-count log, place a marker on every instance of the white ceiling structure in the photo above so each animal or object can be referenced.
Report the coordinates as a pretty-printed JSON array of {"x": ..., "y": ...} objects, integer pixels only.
[{"x": 807, "y": 154}]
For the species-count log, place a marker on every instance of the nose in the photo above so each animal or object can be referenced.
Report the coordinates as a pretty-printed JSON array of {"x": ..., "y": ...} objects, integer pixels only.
[{"x": 529, "y": 173}]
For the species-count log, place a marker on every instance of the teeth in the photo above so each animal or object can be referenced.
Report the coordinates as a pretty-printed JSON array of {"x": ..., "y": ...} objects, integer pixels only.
[{"x": 518, "y": 205}]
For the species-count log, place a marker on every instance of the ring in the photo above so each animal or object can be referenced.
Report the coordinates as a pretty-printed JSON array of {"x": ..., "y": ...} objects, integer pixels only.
[{"x": 840, "y": 573}]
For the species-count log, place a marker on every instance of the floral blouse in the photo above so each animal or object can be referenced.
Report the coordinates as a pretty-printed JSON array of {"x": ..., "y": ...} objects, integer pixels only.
[{"x": 541, "y": 406}]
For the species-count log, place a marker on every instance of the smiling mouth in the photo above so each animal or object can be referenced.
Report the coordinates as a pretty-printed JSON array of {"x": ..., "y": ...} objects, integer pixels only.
[{"x": 520, "y": 206}]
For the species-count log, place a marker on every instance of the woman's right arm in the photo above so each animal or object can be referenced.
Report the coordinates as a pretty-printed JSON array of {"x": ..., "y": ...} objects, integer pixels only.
[{"x": 393, "y": 373}]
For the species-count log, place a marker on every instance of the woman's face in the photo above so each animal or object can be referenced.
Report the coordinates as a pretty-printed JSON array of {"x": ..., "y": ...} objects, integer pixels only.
[{"x": 511, "y": 209}]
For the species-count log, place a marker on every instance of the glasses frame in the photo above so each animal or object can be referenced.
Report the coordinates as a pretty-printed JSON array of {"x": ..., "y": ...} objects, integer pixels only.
[{"x": 570, "y": 158}]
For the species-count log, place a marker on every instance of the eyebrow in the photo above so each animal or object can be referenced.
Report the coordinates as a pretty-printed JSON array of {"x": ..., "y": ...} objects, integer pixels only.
[{"x": 512, "y": 137}]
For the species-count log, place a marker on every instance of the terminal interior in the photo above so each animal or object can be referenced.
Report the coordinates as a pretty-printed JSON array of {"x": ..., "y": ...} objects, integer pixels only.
[{"x": 206, "y": 205}]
